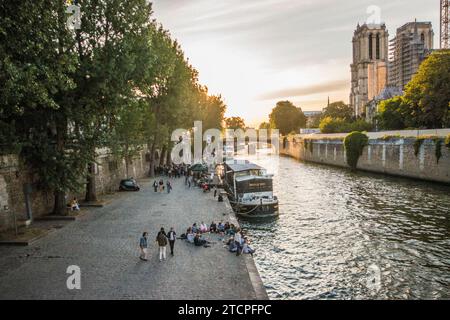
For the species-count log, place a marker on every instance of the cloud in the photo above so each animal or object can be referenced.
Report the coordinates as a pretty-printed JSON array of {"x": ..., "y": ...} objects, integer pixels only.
[
  {"x": 255, "y": 51},
  {"x": 332, "y": 86}
]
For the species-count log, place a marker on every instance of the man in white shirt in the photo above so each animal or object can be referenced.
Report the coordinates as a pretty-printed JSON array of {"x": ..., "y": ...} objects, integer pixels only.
[
  {"x": 172, "y": 235},
  {"x": 238, "y": 241}
]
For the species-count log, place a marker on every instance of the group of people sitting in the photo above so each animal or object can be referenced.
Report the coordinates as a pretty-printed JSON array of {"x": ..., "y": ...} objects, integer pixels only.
[
  {"x": 195, "y": 235},
  {"x": 231, "y": 235}
]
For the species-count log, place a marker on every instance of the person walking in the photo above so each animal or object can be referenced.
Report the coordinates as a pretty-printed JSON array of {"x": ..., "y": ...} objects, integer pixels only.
[
  {"x": 155, "y": 186},
  {"x": 169, "y": 186},
  {"x": 172, "y": 235},
  {"x": 161, "y": 186},
  {"x": 143, "y": 245},
  {"x": 161, "y": 239}
]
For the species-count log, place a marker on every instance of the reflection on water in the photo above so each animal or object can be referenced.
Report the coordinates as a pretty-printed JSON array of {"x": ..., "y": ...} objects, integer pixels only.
[{"x": 334, "y": 226}]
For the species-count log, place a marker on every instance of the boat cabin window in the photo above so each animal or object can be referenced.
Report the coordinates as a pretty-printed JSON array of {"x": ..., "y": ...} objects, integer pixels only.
[{"x": 249, "y": 173}]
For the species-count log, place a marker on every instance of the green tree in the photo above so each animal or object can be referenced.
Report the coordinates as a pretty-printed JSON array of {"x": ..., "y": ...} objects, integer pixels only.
[
  {"x": 127, "y": 135},
  {"x": 337, "y": 125},
  {"x": 354, "y": 144},
  {"x": 287, "y": 118},
  {"x": 212, "y": 110},
  {"x": 119, "y": 81},
  {"x": 153, "y": 88},
  {"x": 428, "y": 93},
  {"x": 36, "y": 71},
  {"x": 315, "y": 122},
  {"x": 360, "y": 125},
  {"x": 109, "y": 45},
  {"x": 393, "y": 114},
  {"x": 235, "y": 123},
  {"x": 338, "y": 110}
]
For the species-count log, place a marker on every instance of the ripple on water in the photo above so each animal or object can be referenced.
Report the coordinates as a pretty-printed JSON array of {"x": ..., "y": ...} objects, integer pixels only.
[{"x": 334, "y": 224}]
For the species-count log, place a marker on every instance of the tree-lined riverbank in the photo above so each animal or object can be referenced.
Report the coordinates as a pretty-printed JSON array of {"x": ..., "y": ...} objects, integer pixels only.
[{"x": 104, "y": 244}]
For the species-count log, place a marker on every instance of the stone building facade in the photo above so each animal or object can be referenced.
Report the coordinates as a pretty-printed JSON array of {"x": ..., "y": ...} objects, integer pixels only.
[
  {"x": 369, "y": 72},
  {"x": 412, "y": 43}
]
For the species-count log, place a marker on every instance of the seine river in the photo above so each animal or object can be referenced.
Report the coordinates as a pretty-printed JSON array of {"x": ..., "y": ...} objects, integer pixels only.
[{"x": 343, "y": 235}]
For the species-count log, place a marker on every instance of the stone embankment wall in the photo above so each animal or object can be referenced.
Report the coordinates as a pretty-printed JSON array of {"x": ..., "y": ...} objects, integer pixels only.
[
  {"x": 14, "y": 175},
  {"x": 395, "y": 156}
]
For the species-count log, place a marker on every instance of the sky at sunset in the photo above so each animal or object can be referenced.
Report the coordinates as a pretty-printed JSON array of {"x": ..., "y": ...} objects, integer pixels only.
[{"x": 257, "y": 52}]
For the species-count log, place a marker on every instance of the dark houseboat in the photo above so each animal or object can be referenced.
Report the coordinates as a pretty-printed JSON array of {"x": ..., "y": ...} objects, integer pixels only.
[{"x": 250, "y": 189}]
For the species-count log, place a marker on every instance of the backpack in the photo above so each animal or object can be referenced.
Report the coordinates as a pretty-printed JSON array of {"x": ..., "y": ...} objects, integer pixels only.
[{"x": 162, "y": 240}]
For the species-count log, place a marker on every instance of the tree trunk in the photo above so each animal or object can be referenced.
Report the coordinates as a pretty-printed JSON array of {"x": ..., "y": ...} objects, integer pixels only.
[
  {"x": 91, "y": 192},
  {"x": 169, "y": 152},
  {"x": 151, "y": 171},
  {"x": 60, "y": 204},
  {"x": 127, "y": 160},
  {"x": 162, "y": 159},
  {"x": 59, "y": 207},
  {"x": 127, "y": 166}
]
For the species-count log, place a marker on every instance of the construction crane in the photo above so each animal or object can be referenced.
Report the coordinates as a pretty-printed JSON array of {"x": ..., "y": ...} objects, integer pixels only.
[{"x": 444, "y": 24}]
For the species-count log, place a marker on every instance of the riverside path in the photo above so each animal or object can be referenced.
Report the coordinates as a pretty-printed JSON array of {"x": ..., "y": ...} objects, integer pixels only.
[{"x": 104, "y": 244}]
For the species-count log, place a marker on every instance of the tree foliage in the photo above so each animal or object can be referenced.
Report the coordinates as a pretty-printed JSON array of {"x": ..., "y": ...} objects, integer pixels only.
[
  {"x": 393, "y": 114},
  {"x": 120, "y": 81},
  {"x": 338, "y": 110},
  {"x": 426, "y": 102},
  {"x": 235, "y": 123},
  {"x": 287, "y": 118},
  {"x": 339, "y": 125},
  {"x": 265, "y": 125},
  {"x": 428, "y": 93},
  {"x": 354, "y": 146}
]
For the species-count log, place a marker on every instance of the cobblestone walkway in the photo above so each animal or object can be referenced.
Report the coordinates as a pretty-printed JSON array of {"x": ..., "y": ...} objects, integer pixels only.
[{"x": 104, "y": 244}]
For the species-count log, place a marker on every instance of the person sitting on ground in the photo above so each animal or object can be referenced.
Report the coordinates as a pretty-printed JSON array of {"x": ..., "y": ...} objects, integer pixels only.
[
  {"x": 203, "y": 227},
  {"x": 231, "y": 230},
  {"x": 190, "y": 236},
  {"x": 226, "y": 227},
  {"x": 231, "y": 245},
  {"x": 221, "y": 227},
  {"x": 246, "y": 248},
  {"x": 238, "y": 241},
  {"x": 213, "y": 227},
  {"x": 194, "y": 228},
  {"x": 74, "y": 205},
  {"x": 198, "y": 241}
]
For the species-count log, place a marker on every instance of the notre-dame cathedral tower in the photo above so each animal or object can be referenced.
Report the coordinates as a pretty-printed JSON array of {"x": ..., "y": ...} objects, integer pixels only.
[{"x": 370, "y": 64}]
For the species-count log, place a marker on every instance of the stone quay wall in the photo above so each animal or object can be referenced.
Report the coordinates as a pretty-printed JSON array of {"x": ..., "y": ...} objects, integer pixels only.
[
  {"x": 395, "y": 156},
  {"x": 14, "y": 175}
]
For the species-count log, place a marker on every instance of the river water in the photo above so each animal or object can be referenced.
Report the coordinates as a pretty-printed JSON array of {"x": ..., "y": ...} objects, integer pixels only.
[{"x": 344, "y": 235}]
